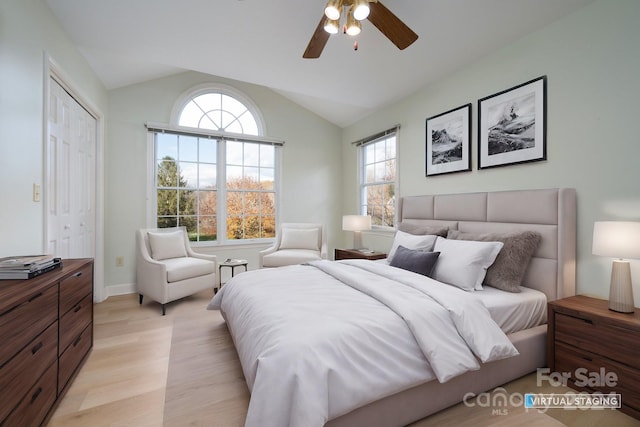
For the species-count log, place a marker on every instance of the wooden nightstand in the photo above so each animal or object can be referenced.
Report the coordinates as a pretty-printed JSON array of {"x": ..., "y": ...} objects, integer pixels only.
[
  {"x": 356, "y": 254},
  {"x": 584, "y": 333}
]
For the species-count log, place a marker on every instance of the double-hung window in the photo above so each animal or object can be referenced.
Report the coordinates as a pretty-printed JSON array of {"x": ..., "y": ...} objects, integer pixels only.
[
  {"x": 377, "y": 177},
  {"x": 214, "y": 173}
]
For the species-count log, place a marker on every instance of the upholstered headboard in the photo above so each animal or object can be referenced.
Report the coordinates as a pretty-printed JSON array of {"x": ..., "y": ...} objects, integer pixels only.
[{"x": 551, "y": 212}]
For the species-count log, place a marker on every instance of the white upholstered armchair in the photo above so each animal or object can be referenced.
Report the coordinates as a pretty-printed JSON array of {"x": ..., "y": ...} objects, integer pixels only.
[
  {"x": 295, "y": 243},
  {"x": 168, "y": 269}
]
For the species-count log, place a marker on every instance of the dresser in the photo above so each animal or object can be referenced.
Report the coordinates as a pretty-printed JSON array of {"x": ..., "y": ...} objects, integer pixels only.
[
  {"x": 588, "y": 342},
  {"x": 46, "y": 331}
]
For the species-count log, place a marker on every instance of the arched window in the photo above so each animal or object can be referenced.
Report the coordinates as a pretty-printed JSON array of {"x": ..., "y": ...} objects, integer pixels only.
[
  {"x": 218, "y": 111},
  {"x": 215, "y": 173}
]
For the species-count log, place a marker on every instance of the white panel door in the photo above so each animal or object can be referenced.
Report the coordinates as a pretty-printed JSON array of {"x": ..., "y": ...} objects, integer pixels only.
[{"x": 71, "y": 178}]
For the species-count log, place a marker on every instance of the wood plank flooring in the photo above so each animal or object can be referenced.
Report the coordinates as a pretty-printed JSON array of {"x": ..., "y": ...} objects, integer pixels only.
[{"x": 182, "y": 370}]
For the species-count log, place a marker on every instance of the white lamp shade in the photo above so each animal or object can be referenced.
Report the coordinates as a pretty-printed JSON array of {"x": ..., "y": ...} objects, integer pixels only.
[
  {"x": 616, "y": 239},
  {"x": 356, "y": 222}
]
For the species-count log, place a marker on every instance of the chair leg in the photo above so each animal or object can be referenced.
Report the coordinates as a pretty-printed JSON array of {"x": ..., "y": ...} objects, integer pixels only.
[
  {"x": 164, "y": 306},
  {"x": 141, "y": 298}
]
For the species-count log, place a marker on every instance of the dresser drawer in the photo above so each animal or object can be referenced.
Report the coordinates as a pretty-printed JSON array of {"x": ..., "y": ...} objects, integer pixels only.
[
  {"x": 74, "y": 322},
  {"x": 24, "y": 369},
  {"x": 73, "y": 355},
  {"x": 75, "y": 287},
  {"x": 569, "y": 359},
  {"x": 598, "y": 337},
  {"x": 36, "y": 404},
  {"x": 25, "y": 320}
]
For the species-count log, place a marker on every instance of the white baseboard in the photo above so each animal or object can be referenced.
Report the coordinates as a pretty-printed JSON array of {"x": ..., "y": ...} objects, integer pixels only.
[{"x": 121, "y": 289}]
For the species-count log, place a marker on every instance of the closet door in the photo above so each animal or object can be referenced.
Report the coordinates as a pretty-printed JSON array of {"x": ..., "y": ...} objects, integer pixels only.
[{"x": 71, "y": 178}]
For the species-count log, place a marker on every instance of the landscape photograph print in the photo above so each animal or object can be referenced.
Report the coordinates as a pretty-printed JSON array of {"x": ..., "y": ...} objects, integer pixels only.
[
  {"x": 448, "y": 141},
  {"x": 512, "y": 125}
]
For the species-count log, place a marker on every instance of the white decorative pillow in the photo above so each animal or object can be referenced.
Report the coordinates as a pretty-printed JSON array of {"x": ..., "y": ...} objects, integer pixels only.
[
  {"x": 464, "y": 263},
  {"x": 300, "y": 238},
  {"x": 511, "y": 264},
  {"x": 412, "y": 241},
  {"x": 167, "y": 245}
]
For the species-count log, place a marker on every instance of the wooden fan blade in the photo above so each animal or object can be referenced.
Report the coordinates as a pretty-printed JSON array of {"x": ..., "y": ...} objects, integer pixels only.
[
  {"x": 317, "y": 42},
  {"x": 391, "y": 26}
]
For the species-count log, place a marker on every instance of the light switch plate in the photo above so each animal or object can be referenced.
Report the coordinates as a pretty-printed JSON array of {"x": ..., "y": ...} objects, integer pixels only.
[{"x": 36, "y": 192}]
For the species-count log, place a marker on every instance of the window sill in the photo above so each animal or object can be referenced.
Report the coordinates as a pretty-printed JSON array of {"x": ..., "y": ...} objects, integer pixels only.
[{"x": 251, "y": 244}]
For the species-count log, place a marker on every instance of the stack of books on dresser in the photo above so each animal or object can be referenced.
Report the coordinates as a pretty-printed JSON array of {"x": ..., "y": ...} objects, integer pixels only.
[{"x": 27, "y": 266}]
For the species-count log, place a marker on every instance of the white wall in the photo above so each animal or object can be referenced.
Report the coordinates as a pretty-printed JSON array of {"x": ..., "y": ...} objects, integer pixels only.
[
  {"x": 590, "y": 57},
  {"x": 311, "y": 166},
  {"x": 28, "y": 31},
  {"x": 592, "y": 62}
]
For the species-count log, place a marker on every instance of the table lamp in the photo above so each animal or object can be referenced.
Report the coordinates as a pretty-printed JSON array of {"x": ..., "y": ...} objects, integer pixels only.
[
  {"x": 618, "y": 239},
  {"x": 356, "y": 223}
]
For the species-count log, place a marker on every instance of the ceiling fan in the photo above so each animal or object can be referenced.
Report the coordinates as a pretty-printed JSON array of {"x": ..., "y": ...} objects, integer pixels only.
[{"x": 357, "y": 10}]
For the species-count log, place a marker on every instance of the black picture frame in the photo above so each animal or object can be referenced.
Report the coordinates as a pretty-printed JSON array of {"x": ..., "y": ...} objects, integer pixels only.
[
  {"x": 512, "y": 125},
  {"x": 448, "y": 142}
]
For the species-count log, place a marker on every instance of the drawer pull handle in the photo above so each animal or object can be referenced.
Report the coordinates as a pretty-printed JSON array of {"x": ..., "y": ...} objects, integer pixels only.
[
  {"x": 78, "y": 274},
  {"x": 35, "y": 297},
  {"x": 77, "y": 341},
  {"x": 77, "y": 309},
  {"x": 10, "y": 310},
  {"x": 35, "y": 395},
  {"x": 36, "y": 348}
]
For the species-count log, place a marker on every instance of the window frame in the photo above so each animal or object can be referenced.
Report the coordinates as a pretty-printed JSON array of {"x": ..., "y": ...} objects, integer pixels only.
[
  {"x": 362, "y": 184},
  {"x": 221, "y": 162}
]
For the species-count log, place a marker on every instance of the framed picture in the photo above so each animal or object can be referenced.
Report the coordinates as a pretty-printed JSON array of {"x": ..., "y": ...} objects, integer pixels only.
[
  {"x": 448, "y": 142},
  {"x": 512, "y": 125}
]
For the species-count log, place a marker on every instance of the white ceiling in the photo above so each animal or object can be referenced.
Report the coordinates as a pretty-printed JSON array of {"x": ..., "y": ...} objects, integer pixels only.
[{"x": 261, "y": 42}]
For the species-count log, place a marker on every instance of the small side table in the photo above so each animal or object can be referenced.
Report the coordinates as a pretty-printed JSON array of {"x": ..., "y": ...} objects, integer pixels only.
[
  {"x": 231, "y": 263},
  {"x": 357, "y": 254}
]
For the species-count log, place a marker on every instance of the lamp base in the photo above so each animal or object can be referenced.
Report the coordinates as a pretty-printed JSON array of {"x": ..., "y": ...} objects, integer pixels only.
[
  {"x": 621, "y": 291},
  {"x": 357, "y": 240}
]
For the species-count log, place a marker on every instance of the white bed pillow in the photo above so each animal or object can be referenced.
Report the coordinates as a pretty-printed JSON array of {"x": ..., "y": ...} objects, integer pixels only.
[
  {"x": 300, "y": 238},
  {"x": 464, "y": 263},
  {"x": 165, "y": 245},
  {"x": 412, "y": 241}
]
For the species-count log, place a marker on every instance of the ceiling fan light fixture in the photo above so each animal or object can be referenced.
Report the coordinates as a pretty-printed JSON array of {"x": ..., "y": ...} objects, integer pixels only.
[
  {"x": 332, "y": 26},
  {"x": 360, "y": 9},
  {"x": 333, "y": 9},
  {"x": 353, "y": 25}
]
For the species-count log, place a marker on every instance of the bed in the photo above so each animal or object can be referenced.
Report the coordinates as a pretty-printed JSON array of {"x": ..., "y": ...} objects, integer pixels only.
[{"x": 364, "y": 355}]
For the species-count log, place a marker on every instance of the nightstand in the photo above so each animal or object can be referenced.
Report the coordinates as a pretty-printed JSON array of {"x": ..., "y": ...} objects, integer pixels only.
[
  {"x": 585, "y": 337},
  {"x": 356, "y": 254}
]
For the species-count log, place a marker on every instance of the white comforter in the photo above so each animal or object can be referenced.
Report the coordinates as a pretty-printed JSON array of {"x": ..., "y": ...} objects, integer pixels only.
[{"x": 313, "y": 349}]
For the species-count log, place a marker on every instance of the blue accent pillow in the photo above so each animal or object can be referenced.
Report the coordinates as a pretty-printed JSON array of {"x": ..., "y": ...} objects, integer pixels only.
[{"x": 420, "y": 262}]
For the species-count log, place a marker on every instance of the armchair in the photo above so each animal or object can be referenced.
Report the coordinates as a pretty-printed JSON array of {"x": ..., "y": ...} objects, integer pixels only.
[
  {"x": 168, "y": 269},
  {"x": 295, "y": 243}
]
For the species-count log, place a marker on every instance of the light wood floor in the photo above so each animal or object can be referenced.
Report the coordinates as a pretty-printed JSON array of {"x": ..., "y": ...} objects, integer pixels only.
[{"x": 142, "y": 359}]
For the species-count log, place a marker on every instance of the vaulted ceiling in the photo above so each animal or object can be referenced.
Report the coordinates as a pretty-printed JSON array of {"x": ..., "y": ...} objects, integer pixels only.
[{"x": 261, "y": 42}]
